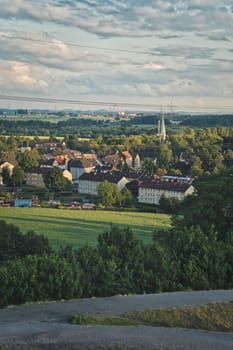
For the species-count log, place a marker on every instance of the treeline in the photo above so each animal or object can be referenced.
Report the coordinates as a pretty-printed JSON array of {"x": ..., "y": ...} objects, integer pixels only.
[
  {"x": 120, "y": 264},
  {"x": 81, "y": 126},
  {"x": 45, "y": 128},
  {"x": 206, "y": 121}
]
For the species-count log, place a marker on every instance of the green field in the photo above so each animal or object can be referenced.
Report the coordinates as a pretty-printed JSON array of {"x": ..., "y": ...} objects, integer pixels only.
[{"x": 74, "y": 227}]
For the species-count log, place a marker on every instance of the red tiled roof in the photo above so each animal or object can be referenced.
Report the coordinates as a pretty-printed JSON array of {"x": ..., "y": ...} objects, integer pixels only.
[{"x": 126, "y": 154}]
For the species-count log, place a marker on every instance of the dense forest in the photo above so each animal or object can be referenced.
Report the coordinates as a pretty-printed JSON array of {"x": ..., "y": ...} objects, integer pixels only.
[{"x": 195, "y": 254}]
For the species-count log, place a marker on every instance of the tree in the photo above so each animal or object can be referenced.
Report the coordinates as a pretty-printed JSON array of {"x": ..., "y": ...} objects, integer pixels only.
[
  {"x": 127, "y": 198},
  {"x": 9, "y": 157},
  {"x": 6, "y": 178},
  {"x": 109, "y": 194},
  {"x": 15, "y": 244},
  {"x": 228, "y": 157},
  {"x": 28, "y": 159},
  {"x": 34, "y": 278},
  {"x": 54, "y": 180},
  {"x": 169, "y": 205},
  {"x": 196, "y": 166},
  {"x": 164, "y": 156},
  {"x": 148, "y": 166},
  {"x": 123, "y": 255},
  {"x": 17, "y": 177}
]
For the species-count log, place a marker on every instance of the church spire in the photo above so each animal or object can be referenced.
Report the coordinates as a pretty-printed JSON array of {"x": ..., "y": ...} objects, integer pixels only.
[{"x": 162, "y": 131}]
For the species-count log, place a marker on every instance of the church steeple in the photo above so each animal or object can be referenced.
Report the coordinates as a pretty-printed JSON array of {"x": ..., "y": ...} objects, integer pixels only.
[{"x": 161, "y": 130}]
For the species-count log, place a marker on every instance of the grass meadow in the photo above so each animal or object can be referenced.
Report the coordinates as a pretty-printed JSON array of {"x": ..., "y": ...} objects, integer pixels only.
[{"x": 80, "y": 227}]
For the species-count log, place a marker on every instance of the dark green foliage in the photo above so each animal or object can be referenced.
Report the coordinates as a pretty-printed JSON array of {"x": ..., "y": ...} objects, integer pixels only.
[
  {"x": 160, "y": 269},
  {"x": 6, "y": 178},
  {"x": 203, "y": 121},
  {"x": 91, "y": 278},
  {"x": 123, "y": 256},
  {"x": 28, "y": 159},
  {"x": 169, "y": 205},
  {"x": 34, "y": 278},
  {"x": 14, "y": 244},
  {"x": 211, "y": 205},
  {"x": 109, "y": 194},
  {"x": 17, "y": 177},
  {"x": 148, "y": 166},
  {"x": 54, "y": 180}
]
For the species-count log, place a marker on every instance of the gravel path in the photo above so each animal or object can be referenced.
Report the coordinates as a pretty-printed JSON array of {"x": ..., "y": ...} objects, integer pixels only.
[{"x": 44, "y": 326}]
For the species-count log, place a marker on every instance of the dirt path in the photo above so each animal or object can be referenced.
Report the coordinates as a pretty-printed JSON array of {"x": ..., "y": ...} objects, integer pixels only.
[{"x": 44, "y": 326}]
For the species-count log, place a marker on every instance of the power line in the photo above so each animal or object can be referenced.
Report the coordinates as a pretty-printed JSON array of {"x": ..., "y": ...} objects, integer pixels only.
[
  {"x": 82, "y": 46},
  {"x": 190, "y": 108},
  {"x": 157, "y": 107}
]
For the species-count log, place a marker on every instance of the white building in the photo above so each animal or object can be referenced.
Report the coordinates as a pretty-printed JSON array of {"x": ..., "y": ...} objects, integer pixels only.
[
  {"x": 150, "y": 191},
  {"x": 88, "y": 182},
  {"x": 78, "y": 167}
]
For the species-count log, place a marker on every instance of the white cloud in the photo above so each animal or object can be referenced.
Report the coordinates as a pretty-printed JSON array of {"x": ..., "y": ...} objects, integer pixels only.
[
  {"x": 153, "y": 66},
  {"x": 188, "y": 45},
  {"x": 16, "y": 75}
]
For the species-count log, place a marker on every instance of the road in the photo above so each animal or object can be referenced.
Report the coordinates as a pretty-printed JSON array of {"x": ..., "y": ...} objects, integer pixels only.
[{"x": 45, "y": 326}]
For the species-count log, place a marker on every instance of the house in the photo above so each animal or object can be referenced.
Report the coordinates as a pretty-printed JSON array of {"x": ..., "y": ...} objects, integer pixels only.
[
  {"x": 104, "y": 168},
  {"x": 35, "y": 176},
  {"x": 49, "y": 163},
  {"x": 67, "y": 174},
  {"x": 25, "y": 149},
  {"x": 7, "y": 165},
  {"x": 150, "y": 153},
  {"x": 127, "y": 158},
  {"x": 150, "y": 190},
  {"x": 49, "y": 145},
  {"x": 137, "y": 162},
  {"x": 112, "y": 158},
  {"x": 71, "y": 153},
  {"x": 88, "y": 182},
  {"x": 92, "y": 156},
  {"x": 61, "y": 162},
  {"x": 77, "y": 167}
]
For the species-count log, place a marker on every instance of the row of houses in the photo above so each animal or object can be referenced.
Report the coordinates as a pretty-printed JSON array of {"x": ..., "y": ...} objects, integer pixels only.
[
  {"x": 149, "y": 189},
  {"x": 87, "y": 172}
]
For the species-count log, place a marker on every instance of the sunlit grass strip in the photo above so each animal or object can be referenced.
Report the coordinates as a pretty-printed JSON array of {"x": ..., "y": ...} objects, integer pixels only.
[
  {"x": 216, "y": 317},
  {"x": 211, "y": 317},
  {"x": 99, "y": 320}
]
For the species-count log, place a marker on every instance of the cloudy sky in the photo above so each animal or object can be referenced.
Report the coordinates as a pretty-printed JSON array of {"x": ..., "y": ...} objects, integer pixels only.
[{"x": 122, "y": 51}]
